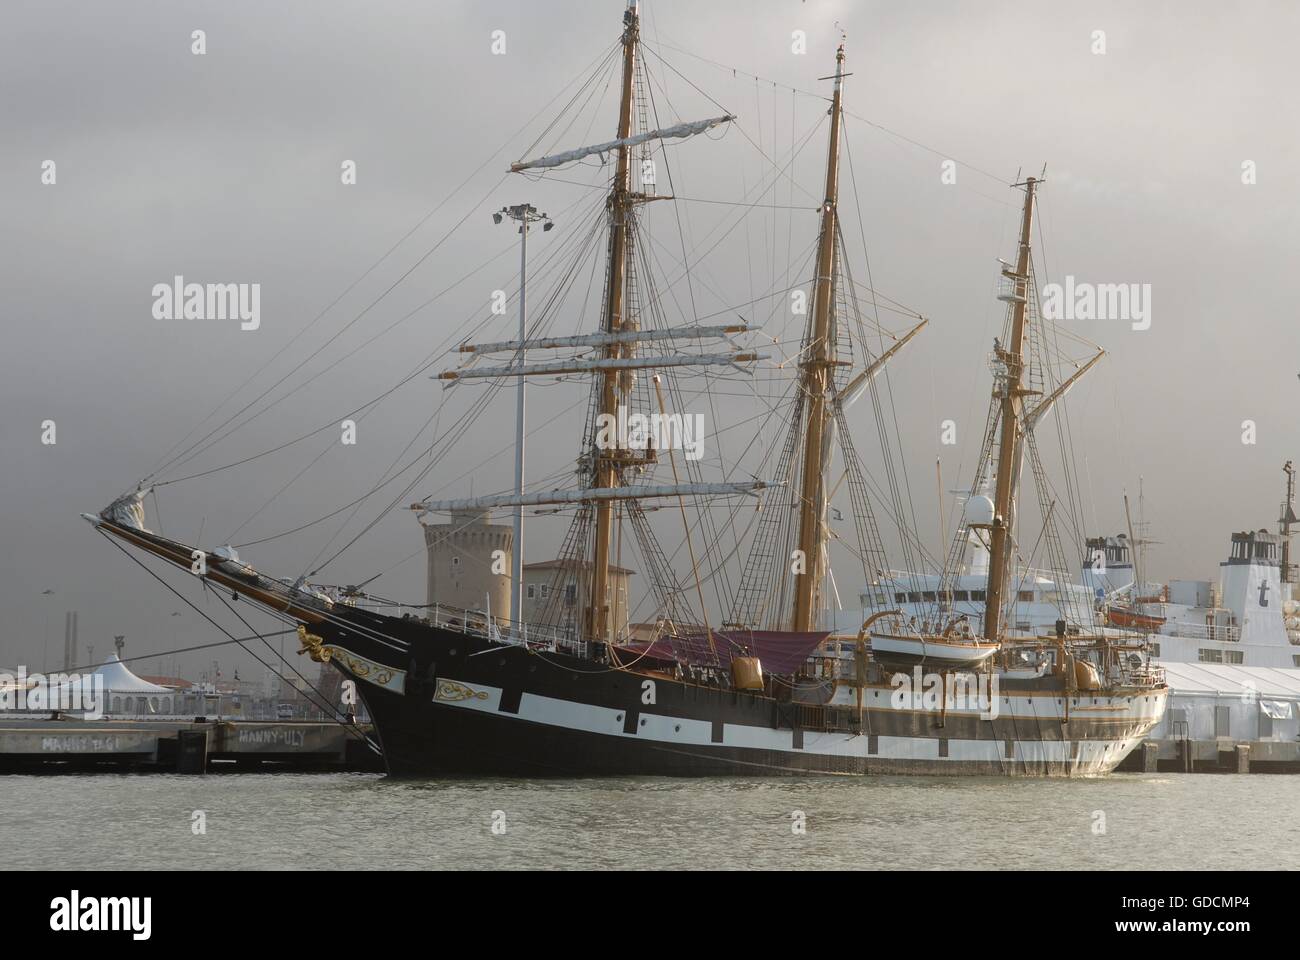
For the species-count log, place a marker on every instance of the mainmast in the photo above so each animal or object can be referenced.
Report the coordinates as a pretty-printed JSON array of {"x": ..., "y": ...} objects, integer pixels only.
[
  {"x": 608, "y": 467},
  {"x": 815, "y": 382},
  {"x": 1010, "y": 391}
]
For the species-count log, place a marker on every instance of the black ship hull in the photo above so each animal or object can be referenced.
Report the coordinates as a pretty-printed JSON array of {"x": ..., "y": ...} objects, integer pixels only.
[{"x": 447, "y": 703}]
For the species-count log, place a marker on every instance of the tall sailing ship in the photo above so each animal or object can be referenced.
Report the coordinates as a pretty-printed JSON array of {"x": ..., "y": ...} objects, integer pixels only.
[{"x": 773, "y": 688}]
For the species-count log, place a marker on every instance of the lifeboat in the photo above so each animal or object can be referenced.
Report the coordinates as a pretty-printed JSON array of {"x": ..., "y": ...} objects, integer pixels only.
[
  {"x": 1130, "y": 619},
  {"x": 955, "y": 651}
]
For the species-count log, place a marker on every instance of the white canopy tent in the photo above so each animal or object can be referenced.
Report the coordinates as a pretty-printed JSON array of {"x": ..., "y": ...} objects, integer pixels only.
[{"x": 129, "y": 695}]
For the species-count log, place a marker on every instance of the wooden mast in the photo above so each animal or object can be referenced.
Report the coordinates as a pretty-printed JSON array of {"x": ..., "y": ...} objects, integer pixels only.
[
  {"x": 819, "y": 359},
  {"x": 1010, "y": 390},
  {"x": 607, "y": 466}
]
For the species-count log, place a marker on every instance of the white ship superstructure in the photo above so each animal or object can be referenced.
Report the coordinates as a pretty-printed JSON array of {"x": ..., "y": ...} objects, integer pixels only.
[
  {"x": 1107, "y": 566},
  {"x": 1037, "y": 599},
  {"x": 1249, "y": 618},
  {"x": 1038, "y": 604}
]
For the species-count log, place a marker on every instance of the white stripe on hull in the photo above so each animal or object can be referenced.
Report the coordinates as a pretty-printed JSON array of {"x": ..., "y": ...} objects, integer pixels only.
[{"x": 1080, "y": 756}]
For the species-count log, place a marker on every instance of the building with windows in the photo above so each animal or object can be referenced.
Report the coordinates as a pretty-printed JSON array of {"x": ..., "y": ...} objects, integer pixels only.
[{"x": 555, "y": 592}]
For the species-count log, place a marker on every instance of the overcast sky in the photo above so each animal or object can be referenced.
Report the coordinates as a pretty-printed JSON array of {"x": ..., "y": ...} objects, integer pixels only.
[{"x": 225, "y": 167}]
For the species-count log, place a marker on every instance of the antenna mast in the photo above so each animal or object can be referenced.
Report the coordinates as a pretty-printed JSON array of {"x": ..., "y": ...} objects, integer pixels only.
[{"x": 1284, "y": 523}]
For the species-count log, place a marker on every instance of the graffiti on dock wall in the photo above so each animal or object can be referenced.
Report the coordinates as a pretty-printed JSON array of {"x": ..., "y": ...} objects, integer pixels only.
[
  {"x": 65, "y": 743},
  {"x": 277, "y": 736}
]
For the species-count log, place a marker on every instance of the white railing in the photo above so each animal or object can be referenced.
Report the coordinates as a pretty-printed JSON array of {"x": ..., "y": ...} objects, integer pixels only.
[
  {"x": 1200, "y": 631},
  {"x": 1024, "y": 577},
  {"x": 504, "y": 631},
  {"x": 1146, "y": 676}
]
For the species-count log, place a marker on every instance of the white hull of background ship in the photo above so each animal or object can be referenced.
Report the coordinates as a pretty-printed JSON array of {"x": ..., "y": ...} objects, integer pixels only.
[{"x": 455, "y": 691}]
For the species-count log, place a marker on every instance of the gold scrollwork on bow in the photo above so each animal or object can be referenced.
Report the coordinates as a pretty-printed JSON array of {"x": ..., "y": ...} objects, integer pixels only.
[
  {"x": 452, "y": 691},
  {"x": 362, "y": 668}
]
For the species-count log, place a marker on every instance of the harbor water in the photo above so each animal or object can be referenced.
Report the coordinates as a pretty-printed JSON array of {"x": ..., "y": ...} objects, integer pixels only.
[{"x": 339, "y": 822}]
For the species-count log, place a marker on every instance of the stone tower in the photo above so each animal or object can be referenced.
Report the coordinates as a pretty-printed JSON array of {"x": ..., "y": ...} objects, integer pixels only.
[{"x": 461, "y": 562}]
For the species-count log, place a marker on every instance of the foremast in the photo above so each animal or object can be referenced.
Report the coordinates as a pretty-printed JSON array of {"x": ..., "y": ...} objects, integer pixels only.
[
  {"x": 611, "y": 461},
  {"x": 608, "y": 463},
  {"x": 815, "y": 383},
  {"x": 1010, "y": 392}
]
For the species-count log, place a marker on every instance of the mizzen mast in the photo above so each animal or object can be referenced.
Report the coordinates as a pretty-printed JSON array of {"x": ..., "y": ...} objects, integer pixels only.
[
  {"x": 816, "y": 382},
  {"x": 1010, "y": 391}
]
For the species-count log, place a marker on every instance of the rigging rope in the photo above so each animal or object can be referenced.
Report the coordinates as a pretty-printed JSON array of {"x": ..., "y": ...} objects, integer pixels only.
[{"x": 339, "y": 718}]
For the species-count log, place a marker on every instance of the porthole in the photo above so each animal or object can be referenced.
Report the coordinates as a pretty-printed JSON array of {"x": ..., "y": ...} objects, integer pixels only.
[{"x": 619, "y": 718}]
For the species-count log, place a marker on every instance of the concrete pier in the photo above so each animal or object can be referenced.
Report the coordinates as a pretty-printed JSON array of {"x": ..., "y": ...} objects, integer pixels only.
[
  {"x": 195, "y": 746},
  {"x": 1150, "y": 755},
  {"x": 1218, "y": 755}
]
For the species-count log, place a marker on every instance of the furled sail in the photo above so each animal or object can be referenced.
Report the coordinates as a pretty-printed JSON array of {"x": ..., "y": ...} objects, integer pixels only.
[
  {"x": 127, "y": 510},
  {"x": 606, "y": 339},
  {"x": 618, "y": 363},
  {"x": 667, "y": 133},
  {"x": 594, "y": 493}
]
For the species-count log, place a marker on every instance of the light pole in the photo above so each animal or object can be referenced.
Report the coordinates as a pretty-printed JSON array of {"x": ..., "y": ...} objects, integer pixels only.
[
  {"x": 45, "y": 643},
  {"x": 526, "y": 215}
]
